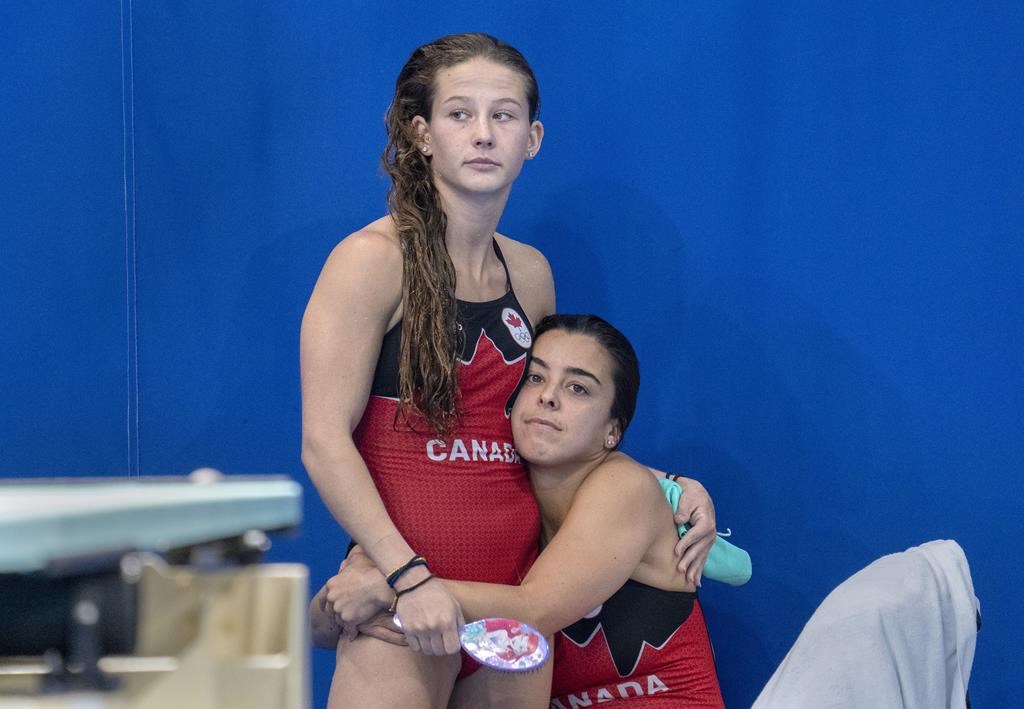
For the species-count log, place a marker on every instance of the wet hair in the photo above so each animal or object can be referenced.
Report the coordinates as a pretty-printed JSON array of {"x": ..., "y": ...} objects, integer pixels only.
[
  {"x": 625, "y": 365},
  {"x": 427, "y": 383}
]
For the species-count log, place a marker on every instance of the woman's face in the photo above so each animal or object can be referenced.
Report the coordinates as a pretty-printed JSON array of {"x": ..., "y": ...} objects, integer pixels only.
[
  {"x": 479, "y": 131},
  {"x": 563, "y": 412}
]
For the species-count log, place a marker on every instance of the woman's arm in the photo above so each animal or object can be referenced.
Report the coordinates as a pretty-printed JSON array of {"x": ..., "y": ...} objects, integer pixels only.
[
  {"x": 697, "y": 510},
  {"x": 615, "y": 519},
  {"x": 342, "y": 330},
  {"x": 355, "y": 299}
]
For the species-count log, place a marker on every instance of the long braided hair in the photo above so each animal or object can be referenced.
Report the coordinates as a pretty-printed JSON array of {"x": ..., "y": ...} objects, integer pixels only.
[{"x": 427, "y": 383}]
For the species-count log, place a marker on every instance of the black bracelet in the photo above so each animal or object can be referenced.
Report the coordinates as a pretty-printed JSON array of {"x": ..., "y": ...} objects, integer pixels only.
[
  {"x": 393, "y": 577},
  {"x": 399, "y": 594},
  {"x": 673, "y": 478}
]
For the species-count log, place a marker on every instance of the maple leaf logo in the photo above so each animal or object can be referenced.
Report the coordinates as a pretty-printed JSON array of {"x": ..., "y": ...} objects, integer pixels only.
[
  {"x": 626, "y": 633},
  {"x": 514, "y": 320}
]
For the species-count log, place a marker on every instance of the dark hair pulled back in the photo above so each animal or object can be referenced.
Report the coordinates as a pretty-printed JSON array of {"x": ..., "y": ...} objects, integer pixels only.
[{"x": 625, "y": 365}]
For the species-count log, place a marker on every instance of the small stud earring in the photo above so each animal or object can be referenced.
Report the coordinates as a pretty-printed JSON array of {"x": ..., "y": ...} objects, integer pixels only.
[
  {"x": 529, "y": 154},
  {"x": 424, "y": 148},
  {"x": 611, "y": 442}
]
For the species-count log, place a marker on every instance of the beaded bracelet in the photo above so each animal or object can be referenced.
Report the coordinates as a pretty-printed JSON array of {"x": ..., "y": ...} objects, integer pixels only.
[{"x": 393, "y": 577}]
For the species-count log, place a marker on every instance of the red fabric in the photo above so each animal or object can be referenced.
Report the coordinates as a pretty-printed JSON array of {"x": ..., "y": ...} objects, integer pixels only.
[
  {"x": 681, "y": 674},
  {"x": 464, "y": 503}
]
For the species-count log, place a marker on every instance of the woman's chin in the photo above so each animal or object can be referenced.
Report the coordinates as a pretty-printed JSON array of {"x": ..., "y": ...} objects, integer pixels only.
[{"x": 537, "y": 453}]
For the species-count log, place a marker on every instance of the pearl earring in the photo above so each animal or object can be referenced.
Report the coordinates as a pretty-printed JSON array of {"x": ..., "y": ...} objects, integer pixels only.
[
  {"x": 529, "y": 154},
  {"x": 611, "y": 442}
]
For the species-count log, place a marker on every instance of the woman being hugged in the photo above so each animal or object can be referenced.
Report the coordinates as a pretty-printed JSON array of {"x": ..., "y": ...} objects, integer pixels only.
[{"x": 413, "y": 343}]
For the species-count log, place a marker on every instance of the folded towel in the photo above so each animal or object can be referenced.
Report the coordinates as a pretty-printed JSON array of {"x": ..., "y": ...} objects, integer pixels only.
[{"x": 726, "y": 562}]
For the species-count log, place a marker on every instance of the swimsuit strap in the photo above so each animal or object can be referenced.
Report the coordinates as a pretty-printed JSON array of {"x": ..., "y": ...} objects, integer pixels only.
[{"x": 508, "y": 277}]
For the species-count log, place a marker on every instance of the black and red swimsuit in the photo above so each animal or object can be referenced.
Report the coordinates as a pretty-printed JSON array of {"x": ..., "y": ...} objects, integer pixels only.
[{"x": 464, "y": 501}]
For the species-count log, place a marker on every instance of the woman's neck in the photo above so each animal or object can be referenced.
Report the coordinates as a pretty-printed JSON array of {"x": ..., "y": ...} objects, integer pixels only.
[{"x": 471, "y": 227}]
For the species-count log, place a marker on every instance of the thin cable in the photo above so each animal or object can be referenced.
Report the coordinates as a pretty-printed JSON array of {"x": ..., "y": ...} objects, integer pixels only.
[
  {"x": 135, "y": 250},
  {"x": 130, "y": 242}
]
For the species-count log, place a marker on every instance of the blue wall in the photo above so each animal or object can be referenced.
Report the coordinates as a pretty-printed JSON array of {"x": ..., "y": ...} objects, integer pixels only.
[{"x": 808, "y": 217}]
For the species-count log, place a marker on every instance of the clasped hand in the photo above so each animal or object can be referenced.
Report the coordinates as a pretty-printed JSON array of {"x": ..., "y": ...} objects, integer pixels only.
[{"x": 358, "y": 596}]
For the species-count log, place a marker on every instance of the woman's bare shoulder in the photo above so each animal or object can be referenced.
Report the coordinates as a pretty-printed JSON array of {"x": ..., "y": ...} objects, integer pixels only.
[
  {"x": 622, "y": 477},
  {"x": 366, "y": 264},
  {"x": 375, "y": 241},
  {"x": 369, "y": 254},
  {"x": 528, "y": 258},
  {"x": 531, "y": 276}
]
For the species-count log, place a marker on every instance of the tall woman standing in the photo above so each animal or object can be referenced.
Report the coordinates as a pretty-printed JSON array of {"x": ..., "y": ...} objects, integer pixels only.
[{"x": 413, "y": 343}]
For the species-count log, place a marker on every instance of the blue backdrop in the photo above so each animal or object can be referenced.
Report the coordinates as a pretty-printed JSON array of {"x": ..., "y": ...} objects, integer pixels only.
[{"x": 808, "y": 217}]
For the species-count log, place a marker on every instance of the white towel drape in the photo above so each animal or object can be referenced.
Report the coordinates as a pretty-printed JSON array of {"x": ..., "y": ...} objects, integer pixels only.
[{"x": 899, "y": 633}]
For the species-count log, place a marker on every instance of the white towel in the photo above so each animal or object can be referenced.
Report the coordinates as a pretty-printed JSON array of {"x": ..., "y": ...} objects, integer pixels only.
[{"x": 898, "y": 633}]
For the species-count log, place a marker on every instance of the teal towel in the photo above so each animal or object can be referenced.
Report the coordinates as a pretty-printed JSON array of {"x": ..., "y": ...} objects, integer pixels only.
[{"x": 726, "y": 562}]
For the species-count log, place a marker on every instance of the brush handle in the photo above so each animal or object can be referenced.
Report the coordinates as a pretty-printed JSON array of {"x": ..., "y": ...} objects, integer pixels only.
[{"x": 502, "y": 644}]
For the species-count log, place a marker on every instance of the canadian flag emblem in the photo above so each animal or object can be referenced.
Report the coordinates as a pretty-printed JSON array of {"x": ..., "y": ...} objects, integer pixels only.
[{"x": 516, "y": 327}]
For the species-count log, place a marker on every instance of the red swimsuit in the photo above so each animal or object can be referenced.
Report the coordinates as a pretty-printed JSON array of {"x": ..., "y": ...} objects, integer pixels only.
[
  {"x": 464, "y": 502},
  {"x": 643, "y": 644}
]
